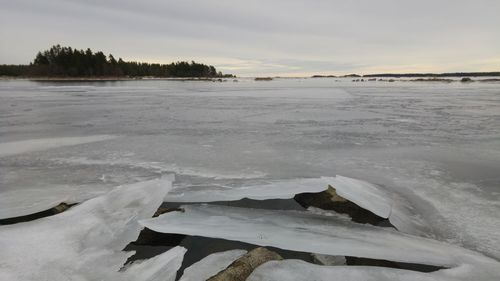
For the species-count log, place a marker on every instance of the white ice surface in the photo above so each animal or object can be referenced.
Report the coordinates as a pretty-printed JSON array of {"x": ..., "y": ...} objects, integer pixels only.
[
  {"x": 273, "y": 190},
  {"x": 18, "y": 147},
  {"x": 297, "y": 270},
  {"x": 436, "y": 144},
  {"x": 86, "y": 241},
  {"x": 307, "y": 232},
  {"x": 211, "y": 265}
]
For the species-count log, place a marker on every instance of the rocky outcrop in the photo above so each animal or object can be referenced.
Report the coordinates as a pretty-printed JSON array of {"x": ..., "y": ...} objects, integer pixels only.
[
  {"x": 241, "y": 268},
  {"x": 330, "y": 200}
]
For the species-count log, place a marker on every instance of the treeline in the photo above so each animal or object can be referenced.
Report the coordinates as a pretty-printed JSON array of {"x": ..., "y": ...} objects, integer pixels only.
[{"x": 68, "y": 62}]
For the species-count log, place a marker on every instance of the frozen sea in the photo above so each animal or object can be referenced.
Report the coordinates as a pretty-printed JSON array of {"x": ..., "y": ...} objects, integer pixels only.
[{"x": 437, "y": 144}]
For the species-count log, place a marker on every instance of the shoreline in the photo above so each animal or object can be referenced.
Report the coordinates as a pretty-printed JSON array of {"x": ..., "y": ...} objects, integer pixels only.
[
  {"x": 225, "y": 79},
  {"x": 109, "y": 79}
]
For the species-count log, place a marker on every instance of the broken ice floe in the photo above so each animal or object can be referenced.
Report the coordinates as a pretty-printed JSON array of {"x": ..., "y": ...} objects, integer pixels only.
[
  {"x": 86, "y": 242},
  {"x": 364, "y": 194},
  {"x": 385, "y": 204},
  {"x": 306, "y": 232},
  {"x": 371, "y": 197},
  {"x": 18, "y": 147},
  {"x": 274, "y": 190}
]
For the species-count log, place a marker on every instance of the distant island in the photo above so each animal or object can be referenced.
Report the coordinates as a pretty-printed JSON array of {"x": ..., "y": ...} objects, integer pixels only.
[
  {"x": 451, "y": 74},
  {"x": 67, "y": 62},
  {"x": 415, "y": 75}
]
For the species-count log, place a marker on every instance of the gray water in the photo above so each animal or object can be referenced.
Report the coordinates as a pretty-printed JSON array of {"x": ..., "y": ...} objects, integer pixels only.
[{"x": 436, "y": 143}]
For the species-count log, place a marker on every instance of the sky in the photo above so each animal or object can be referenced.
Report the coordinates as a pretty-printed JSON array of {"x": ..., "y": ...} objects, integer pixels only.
[{"x": 255, "y": 38}]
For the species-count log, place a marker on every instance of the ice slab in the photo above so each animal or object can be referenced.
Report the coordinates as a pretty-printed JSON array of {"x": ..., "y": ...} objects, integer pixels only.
[
  {"x": 274, "y": 190},
  {"x": 18, "y": 147},
  {"x": 381, "y": 202},
  {"x": 297, "y": 270},
  {"x": 160, "y": 268},
  {"x": 368, "y": 196},
  {"x": 364, "y": 194},
  {"x": 211, "y": 265},
  {"x": 85, "y": 242},
  {"x": 307, "y": 232}
]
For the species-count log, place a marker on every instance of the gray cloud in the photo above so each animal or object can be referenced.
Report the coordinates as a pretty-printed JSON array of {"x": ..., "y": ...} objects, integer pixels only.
[{"x": 294, "y": 37}]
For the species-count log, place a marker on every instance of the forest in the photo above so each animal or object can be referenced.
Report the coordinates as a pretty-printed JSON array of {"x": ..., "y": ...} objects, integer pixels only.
[{"x": 69, "y": 62}]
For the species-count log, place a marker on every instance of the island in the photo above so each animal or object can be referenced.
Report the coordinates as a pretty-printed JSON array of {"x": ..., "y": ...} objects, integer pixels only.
[{"x": 67, "y": 62}]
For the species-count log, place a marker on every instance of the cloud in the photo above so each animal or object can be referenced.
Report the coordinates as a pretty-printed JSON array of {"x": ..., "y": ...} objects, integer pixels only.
[{"x": 264, "y": 37}]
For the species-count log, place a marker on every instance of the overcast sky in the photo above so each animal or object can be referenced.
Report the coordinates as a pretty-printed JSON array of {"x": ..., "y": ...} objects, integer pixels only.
[{"x": 282, "y": 37}]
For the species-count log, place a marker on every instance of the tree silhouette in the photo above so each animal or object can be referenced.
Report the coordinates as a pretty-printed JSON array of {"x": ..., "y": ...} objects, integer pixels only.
[{"x": 61, "y": 61}]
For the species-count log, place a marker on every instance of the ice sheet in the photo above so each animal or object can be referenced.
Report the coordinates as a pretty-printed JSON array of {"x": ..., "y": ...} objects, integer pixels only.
[
  {"x": 211, "y": 265},
  {"x": 437, "y": 141},
  {"x": 369, "y": 196},
  {"x": 307, "y": 232},
  {"x": 381, "y": 202},
  {"x": 364, "y": 194},
  {"x": 273, "y": 190},
  {"x": 85, "y": 242},
  {"x": 24, "y": 146}
]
